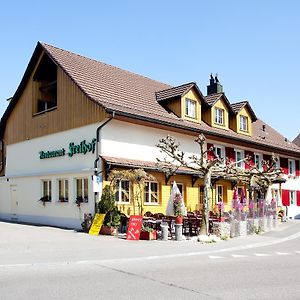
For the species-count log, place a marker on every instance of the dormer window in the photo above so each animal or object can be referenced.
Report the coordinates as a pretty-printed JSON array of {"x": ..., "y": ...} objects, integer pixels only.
[
  {"x": 190, "y": 108},
  {"x": 219, "y": 116},
  {"x": 244, "y": 123}
]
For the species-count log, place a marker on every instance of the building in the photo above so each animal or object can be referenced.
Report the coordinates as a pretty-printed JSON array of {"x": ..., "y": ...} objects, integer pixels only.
[{"x": 72, "y": 116}]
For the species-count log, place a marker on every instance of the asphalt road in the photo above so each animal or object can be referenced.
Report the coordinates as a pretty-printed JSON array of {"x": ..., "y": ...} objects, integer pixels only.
[{"x": 51, "y": 263}]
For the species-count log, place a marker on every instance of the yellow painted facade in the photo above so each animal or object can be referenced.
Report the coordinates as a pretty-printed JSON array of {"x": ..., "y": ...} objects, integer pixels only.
[
  {"x": 191, "y": 194},
  {"x": 191, "y": 94},
  {"x": 221, "y": 105},
  {"x": 244, "y": 112}
]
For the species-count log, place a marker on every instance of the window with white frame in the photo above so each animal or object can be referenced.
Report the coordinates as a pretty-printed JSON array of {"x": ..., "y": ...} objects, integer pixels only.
[
  {"x": 243, "y": 123},
  {"x": 219, "y": 116},
  {"x": 219, "y": 151},
  {"x": 82, "y": 190},
  {"x": 63, "y": 190},
  {"x": 190, "y": 108},
  {"x": 278, "y": 163},
  {"x": 219, "y": 193},
  {"x": 292, "y": 167},
  {"x": 257, "y": 160},
  {"x": 122, "y": 191},
  {"x": 181, "y": 188},
  {"x": 46, "y": 190},
  {"x": 239, "y": 155},
  {"x": 151, "y": 192},
  {"x": 293, "y": 197}
]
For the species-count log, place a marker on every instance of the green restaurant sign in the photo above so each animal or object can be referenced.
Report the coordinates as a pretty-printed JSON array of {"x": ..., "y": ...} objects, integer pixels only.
[{"x": 83, "y": 148}]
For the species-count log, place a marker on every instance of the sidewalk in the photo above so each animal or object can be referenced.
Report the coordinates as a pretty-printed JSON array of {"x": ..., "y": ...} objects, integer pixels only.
[{"x": 21, "y": 244}]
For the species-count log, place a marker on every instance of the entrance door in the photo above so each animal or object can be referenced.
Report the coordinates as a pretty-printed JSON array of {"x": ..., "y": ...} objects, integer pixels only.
[{"x": 14, "y": 202}]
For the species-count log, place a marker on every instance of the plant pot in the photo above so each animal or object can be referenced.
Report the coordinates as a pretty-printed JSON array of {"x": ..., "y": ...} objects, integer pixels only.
[
  {"x": 146, "y": 235},
  {"x": 108, "y": 230},
  {"x": 178, "y": 220}
]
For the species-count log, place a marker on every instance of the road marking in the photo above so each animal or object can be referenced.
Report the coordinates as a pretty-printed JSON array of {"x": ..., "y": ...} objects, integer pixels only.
[
  {"x": 261, "y": 254},
  {"x": 297, "y": 252},
  {"x": 215, "y": 257},
  {"x": 238, "y": 255},
  {"x": 283, "y": 253}
]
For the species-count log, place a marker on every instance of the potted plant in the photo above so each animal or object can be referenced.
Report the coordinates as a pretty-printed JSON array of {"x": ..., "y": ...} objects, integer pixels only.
[
  {"x": 148, "y": 233},
  {"x": 177, "y": 203},
  {"x": 107, "y": 205}
]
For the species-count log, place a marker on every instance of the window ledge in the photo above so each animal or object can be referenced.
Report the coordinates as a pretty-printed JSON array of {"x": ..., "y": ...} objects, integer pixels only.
[
  {"x": 44, "y": 111},
  {"x": 151, "y": 204}
]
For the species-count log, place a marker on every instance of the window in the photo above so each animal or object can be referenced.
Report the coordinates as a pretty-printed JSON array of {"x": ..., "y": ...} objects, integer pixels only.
[
  {"x": 257, "y": 160},
  {"x": 293, "y": 197},
  {"x": 219, "y": 193},
  {"x": 63, "y": 190},
  {"x": 219, "y": 151},
  {"x": 46, "y": 190},
  {"x": 82, "y": 191},
  {"x": 292, "y": 167},
  {"x": 201, "y": 194},
  {"x": 239, "y": 155},
  {"x": 278, "y": 163},
  {"x": 45, "y": 85},
  {"x": 181, "y": 188},
  {"x": 243, "y": 123},
  {"x": 122, "y": 191},
  {"x": 151, "y": 192},
  {"x": 190, "y": 108},
  {"x": 219, "y": 116}
]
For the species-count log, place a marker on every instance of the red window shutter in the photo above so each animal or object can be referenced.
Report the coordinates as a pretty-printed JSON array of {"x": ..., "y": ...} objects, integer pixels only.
[
  {"x": 298, "y": 198},
  {"x": 251, "y": 160},
  {"x": 268, "y": 159},
  {"x": 210, "y": 153},
  {"x": 284, "y": 165},
  {"x": 297, "y": 168},
  {"x": 230, "y": 154},
  {"x": 285, "y": 197}
]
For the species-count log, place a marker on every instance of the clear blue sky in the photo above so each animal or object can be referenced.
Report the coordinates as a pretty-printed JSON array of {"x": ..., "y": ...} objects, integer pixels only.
[{"x": 254, "y": 45}]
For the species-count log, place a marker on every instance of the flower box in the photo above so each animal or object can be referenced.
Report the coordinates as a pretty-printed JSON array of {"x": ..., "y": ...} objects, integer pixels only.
[
  {"x": 106, "y": 230},
  {"x": 148, "y": 235}
]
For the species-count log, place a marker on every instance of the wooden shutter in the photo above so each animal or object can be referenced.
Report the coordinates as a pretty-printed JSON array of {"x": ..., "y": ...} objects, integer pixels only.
[
  {"x": 284, "y": 165},
  {"x": 285, "y": 197},
  {"x": 298, "y": 198},
  {"x": 251, "y": 161},
  {"x": 230, "y": 154},
  {"x": 297, "y": 168},
  {"x": 210, "y": 153}
]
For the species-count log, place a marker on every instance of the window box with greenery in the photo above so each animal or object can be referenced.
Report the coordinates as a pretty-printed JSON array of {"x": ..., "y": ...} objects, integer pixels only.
[
  {"x": 45, "y": 199},
  {"x": 148, "y": 233}
]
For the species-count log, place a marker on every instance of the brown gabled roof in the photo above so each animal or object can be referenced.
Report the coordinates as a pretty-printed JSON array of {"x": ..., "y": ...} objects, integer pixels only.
[
  {"x": 174, "y": 92},
  {"x": 212, "y": 99},
  {"x": 296, "y": 141},
  {"x": 236, "y": 108},
  {"x": 134, "y": 96}
]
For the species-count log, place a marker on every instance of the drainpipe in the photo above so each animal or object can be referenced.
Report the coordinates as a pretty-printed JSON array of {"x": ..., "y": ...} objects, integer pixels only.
[{"x": 97, "y": 149}]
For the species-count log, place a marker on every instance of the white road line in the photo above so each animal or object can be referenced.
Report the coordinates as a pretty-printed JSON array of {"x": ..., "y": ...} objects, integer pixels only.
[
  {"x": 261, "y": 254},
  {"x": 283, "y": 253},
  {"x": 238, "y": 255},
  {"x": 297, "y": 252},
  {"x": 215, "y": 257}
]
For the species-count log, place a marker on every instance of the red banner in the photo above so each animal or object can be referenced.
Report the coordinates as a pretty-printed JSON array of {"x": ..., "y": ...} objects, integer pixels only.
[{"x": 134, "y": 228}]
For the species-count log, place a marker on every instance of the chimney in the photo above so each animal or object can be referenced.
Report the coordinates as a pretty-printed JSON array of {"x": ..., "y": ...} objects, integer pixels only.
[{"x": 214, "y": 85}]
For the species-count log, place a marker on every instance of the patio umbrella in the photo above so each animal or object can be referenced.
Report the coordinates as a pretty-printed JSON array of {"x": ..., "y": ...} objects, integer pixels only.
[
  {"x": 269, "y": 195},
  {"x": 278, "y": 198},
  {"x": 243, "y": 196},
  {"x": 235, "y": 199},
  {"x": 170, "y": 206}
]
